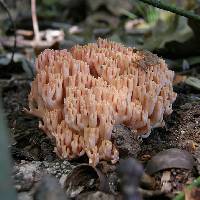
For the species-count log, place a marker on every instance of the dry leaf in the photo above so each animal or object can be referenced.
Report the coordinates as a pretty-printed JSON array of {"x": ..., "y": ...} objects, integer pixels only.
[
  {"x": 170, "y": 158},
  {"x": 179, "y": 79}
]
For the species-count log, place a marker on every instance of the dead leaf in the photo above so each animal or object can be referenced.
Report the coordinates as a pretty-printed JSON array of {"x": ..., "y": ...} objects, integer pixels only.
[
  {"x": 170, "y": 158},
  {"x": 179, "y": 79},
  {"x": 85, "y": 178}
]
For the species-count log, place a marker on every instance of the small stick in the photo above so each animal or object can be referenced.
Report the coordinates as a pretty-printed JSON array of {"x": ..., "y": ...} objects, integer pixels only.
[
  {"x": 160, "y": 4},
  {"x": 35, "y": 21}
]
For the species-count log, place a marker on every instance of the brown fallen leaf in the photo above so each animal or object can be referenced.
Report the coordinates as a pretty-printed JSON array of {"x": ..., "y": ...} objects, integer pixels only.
[
  {"x": 179, "y": 79},
  {"x": 170, "y": 158},
  {"x": 85, "y": 178}
]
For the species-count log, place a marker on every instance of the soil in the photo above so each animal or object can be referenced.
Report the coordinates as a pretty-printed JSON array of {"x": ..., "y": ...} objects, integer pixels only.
[{"x": 33, "y": 153}]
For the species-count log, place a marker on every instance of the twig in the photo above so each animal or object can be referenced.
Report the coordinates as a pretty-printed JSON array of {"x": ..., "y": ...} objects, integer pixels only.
[
  {"x": 35, "y": 21},
  {"x": 160, "y": 4},
  {"x": 4, "y": 5}
]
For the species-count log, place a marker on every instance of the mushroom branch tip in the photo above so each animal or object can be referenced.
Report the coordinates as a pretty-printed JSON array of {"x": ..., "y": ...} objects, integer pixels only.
[{"x": 80, "y": 94}]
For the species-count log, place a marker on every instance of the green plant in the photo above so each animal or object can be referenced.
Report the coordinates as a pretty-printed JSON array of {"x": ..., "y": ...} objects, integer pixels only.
[{"x": 149, "y": 13}]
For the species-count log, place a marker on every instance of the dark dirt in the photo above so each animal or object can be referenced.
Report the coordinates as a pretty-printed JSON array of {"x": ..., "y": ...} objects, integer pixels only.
[{"x": 31, "y": 147}]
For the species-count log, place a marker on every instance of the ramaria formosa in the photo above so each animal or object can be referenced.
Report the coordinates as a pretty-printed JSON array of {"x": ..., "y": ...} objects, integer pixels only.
[{"x": 81, "y": 94}]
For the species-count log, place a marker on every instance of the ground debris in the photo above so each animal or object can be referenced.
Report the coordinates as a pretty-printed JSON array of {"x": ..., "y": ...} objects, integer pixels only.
[{"x": 125, "y": 141}]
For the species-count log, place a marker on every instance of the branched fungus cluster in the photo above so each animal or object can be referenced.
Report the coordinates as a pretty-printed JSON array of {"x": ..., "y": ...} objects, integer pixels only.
[{"x": 80, "y": 94}]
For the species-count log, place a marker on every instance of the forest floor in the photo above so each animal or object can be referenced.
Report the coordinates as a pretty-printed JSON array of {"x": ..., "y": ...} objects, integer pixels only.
[
  {"x": 33, "y": 154},
  {"x": 177, "y": 40}
]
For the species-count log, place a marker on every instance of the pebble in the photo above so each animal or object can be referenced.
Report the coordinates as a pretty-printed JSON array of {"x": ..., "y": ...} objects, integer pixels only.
[{"x": 65, "y": 162}]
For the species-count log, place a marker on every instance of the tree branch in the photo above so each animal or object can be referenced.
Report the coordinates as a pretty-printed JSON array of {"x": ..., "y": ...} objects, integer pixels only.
[{"x": 160, "y": 4}]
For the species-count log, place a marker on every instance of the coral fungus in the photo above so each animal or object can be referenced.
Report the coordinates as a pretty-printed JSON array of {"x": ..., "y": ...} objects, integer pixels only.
[{"x": 82, "y": 93}]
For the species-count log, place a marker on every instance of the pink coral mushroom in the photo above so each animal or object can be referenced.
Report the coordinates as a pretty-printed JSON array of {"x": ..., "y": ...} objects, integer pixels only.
[{"x": 81, "y": 94}]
